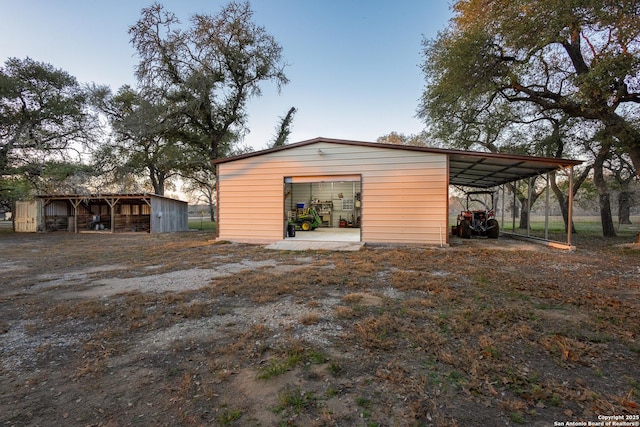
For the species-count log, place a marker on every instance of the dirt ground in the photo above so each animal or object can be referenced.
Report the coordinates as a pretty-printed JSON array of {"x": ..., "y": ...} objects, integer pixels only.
[{"x": 138, "y": 329}]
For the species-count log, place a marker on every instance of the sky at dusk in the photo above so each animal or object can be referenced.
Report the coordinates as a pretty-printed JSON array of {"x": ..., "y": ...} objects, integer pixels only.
[{"x": 354, "y": 65}]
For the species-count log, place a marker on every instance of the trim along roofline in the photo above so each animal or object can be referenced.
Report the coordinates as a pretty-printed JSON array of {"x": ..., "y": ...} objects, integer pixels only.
[
  {"x": 559, "y": 162},
  {"x": 466, "y": 168}
]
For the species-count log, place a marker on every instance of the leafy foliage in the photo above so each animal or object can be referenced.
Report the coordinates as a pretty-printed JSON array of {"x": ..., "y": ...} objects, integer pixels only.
[
  {"x": 143, "y": 142},
  {"x": 551, "y": 78},
  {"x": 418, "y": 140},
  {"x": 202, "y": 77},
  {"x": 284, "y": 128},
  {"x": 206, "y": 73},
  {"x": 502, "y": 63},
  {"x": 43, "y": 120}
]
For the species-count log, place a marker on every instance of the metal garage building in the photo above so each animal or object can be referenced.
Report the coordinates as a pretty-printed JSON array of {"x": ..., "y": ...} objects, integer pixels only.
[
  {"x": 394, "y": 193},
  {"x": 114, "y": 213}
]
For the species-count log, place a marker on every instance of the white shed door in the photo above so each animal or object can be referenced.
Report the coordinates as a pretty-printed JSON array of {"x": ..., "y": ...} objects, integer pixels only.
[{"x": 26, "y": 218}]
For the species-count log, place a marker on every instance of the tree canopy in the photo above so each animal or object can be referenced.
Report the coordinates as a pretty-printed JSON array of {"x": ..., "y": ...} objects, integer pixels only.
[
  {"x": 42, "y": 113},
  {"x": 283, "y": 130},
  {"x": 143, "y": 141},
  {"x": 189, "y": 107},
  {"x": 44, "y": 127},
  {"x": 203, "y": 76},
  {"x": 517, "y": 61},
  {"x": 207, "y": 72}
]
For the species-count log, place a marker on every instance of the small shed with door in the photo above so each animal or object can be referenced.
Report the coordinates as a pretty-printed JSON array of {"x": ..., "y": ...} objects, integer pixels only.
[
  {"x": 115, "y": 213},
  {"x": 390, "y": 193}
]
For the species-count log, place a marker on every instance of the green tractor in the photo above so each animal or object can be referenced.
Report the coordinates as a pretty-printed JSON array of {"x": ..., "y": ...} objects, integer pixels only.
[{"x": 306, "y": 219}]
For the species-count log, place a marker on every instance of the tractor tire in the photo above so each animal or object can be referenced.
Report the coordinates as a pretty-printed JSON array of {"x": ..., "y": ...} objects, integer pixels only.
[
  {"x": 493, "y": 229},
  {"x": 465, "y": 229},
  {"x": 306, "y": 226}
]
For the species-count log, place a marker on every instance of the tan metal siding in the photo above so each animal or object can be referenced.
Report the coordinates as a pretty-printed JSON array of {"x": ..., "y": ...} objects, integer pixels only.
[{"x": 404, "y": 194}]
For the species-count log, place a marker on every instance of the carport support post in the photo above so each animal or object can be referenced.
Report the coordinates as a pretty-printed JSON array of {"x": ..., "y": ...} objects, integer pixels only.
[
  {"x": 529, "y": 207},
  {"x": 502, "y": 186},
  {"x": 570, "y": 207},
  {"x": 546, "y": 211},
  {"x": 513, "y": 209}
]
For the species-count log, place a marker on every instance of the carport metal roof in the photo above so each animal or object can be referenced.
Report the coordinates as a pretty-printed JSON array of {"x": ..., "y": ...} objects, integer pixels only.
[
  {"x": 466, "y": 168},
  {"x": 486, "y": 170}
]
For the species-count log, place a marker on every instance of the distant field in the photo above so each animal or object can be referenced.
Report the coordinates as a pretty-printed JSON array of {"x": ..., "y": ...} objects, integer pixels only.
[
  {"x": 201, "y": 224},
  {"x": 585, "y": 223}
]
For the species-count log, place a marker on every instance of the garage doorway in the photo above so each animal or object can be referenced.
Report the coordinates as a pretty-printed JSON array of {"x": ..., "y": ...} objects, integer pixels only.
[{"x": 323, "y": 208}]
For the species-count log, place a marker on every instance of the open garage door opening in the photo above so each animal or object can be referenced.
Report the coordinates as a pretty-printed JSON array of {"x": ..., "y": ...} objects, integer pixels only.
[{"x": 323, "y": 208}]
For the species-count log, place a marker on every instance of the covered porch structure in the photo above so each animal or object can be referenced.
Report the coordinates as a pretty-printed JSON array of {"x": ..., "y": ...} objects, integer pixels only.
[{"x": 115, "y": 213}]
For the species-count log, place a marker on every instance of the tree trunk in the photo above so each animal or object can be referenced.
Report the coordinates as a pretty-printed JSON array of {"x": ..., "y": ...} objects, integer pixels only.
[
  {"x": 624, "y": 207},
  {"x": 210, "y": 195},
  {"x": 524, "y": 214},
  {"x": 155, "y": 181},
  {"x": 606, "y": 218},
  {"x": 526, "y": 205},
  {"x": 608, "y": 230},
  {"x": 563, "y": 202},
  {"x": 634, "y": 153},
  {"x": 158, "y": 184}
]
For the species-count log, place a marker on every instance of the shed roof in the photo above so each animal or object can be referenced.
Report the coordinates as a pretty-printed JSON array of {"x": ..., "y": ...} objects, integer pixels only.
[
  {"x": 466, "y": 168},
  {"x": 104, "y": 196}
]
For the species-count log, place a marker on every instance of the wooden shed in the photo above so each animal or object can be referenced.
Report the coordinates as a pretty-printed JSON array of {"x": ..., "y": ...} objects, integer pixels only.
[
  {"x": 390, "y": 193},
  {"x": 115, "y": 213}
]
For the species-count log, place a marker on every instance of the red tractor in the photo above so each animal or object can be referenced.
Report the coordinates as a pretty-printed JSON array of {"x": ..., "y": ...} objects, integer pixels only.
[{"x": 478, "y": 222}]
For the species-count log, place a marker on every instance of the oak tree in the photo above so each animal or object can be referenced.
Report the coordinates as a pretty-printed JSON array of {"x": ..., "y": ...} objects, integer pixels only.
[
  {"x": 44, "y": 123},
  {"x": 143, "y": 139},
  {"x": 206, "y": 73},
  {"x": 548, "y": 60}
]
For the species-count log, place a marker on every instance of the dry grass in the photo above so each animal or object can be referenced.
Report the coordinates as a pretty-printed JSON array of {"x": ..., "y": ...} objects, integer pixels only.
[
  {"x": 470, "y": 335},
  {"x": 310, "y": 319}
]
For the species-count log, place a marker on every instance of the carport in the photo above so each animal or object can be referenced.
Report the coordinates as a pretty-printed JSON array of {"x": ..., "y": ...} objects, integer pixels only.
[{"x": 497, "y": 172}]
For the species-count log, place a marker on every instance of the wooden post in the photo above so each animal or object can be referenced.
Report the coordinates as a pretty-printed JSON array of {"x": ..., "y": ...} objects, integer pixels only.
[
  {"x": 112, "y": 203},
  {"x": 75, "y": 203}
]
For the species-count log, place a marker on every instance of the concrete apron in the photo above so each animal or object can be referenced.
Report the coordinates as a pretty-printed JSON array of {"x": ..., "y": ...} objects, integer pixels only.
[{"x": 321, "y": 239}]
